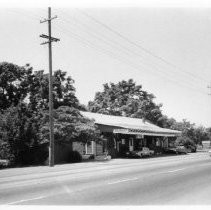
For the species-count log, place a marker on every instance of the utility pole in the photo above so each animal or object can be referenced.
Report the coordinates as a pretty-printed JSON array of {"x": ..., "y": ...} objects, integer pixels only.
[{"x": 51, "y": 123}]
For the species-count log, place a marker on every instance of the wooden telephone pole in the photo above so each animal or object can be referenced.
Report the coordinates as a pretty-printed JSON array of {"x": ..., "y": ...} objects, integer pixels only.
[{"x": 51, "y": 123}]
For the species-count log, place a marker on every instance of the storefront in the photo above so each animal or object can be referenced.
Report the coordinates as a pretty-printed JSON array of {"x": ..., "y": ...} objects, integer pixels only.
[{"x": 122, "y": 134}]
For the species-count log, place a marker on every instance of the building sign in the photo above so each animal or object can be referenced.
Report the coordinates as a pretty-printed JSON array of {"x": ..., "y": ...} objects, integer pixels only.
[
  {"x": 123, "y": 131},
  {"x": 139, "y": 136}
]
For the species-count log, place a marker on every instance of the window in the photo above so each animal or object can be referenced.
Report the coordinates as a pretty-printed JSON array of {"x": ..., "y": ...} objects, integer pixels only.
[
  {"x": 89, "y": 147},
  {"x": 115, "y": 144},
  {"x": 131, "y": 142}
]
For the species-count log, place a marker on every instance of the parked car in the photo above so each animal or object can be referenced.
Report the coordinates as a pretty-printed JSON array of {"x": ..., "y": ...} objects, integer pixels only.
[
  {"x": 170, "y": 150},
  {"x": 175, "y": 150},
  {"x": 140, "y": 153},
  {"x": 191, "y": 148},
  {"x": 146, "y": 152},
  {"x": 181, "y": 149},
  {"x": 132, "y": 154},
  {"x": 102, "y": 157}
]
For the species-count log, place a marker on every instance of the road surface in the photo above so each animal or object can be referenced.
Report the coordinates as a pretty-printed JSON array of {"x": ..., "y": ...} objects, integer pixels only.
[{"x": 180, "y": 180}]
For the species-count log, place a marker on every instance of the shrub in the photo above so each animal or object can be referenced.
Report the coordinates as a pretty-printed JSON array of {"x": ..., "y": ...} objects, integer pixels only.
[
  {"x": 19, "y": 134},
  {"x": 186, "y": 141},
  {"x": 36, "y": 155},
  {"x": 4, "y": 163},
  {"x": 74, "y": 157}
]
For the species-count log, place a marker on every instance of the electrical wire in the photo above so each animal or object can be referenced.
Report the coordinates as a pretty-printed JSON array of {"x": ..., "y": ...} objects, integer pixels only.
[
  {"x": 137, "y": 45},
  {"x": 87, "y": 43},
  {"x": 119, "y": 46},
  {"x": 111, "y": 54}
]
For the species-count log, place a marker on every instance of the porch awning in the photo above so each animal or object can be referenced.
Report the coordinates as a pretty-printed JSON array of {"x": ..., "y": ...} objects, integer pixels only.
[
  {"x": 131, "y": 126},
  {"x": 146, "y": 133}
]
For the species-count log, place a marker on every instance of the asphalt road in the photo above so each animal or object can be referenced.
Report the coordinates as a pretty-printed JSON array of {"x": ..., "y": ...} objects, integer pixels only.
[{"x": 180, "y": 180}]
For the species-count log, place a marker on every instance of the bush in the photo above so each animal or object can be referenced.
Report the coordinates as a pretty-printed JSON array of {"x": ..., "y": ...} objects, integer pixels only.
[
  {"x": 19, "y": 135},
  {"x": 4, "y": 163},
  {"x": 36, "y": 155},
  {"x": 5, "y": 151},
  {"x": 185, "y": 141},
  {"x": 74, "y": 157}
]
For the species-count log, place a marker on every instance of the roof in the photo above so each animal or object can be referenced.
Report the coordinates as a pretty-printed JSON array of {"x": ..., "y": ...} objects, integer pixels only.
[{"x": 130, "y": 125}]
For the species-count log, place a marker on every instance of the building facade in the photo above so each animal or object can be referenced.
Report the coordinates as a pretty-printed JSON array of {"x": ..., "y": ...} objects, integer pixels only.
[{"x": 122, "y": 134}]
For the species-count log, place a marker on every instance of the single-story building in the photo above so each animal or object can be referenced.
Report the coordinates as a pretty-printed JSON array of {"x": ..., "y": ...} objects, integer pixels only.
[
  {"x": 120, "y": 134},
  {"x": 123, "y": 134}
]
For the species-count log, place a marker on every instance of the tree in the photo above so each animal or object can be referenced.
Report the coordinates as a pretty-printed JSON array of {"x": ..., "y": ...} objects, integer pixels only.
[
  {"x": 13, "y": 84},
  {"x": 24, "y": 110},
  {"x": 197, "y": 134},
  {"x": 19, "y": 135},
  {"x": 186, "y": 141},
  {"x": 166, "y": 122},
  {"x": 208, "y": 131},
  {"x": 200, "y": 134},
  {"x": 126, "y": 99},
  {"x": 69, "y": 126},
  {"x": 38, "y": 91},
  {"x": 63, "y": 91}
]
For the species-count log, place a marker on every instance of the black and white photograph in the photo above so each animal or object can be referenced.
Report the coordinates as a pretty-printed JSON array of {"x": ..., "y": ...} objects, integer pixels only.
[{"x": 105, "y": 104}]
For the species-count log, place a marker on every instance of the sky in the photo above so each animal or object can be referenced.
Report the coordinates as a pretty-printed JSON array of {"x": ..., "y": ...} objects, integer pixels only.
[{"x": 166, "y": 50}]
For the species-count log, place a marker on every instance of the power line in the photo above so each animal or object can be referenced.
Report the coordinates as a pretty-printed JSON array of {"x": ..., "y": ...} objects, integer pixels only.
[
  {"x": 191, "y": 86},
  {"x": 123, "y": 60},
  {"x": 137, "y": 45},
  {"x": 128, "y": 51},
  {"x": 87, "y": 43},
  {"x": 120, "y": 47}
]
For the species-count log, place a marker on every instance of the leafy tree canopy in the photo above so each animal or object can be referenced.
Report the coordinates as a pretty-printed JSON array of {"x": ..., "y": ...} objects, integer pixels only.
[
  {"x": 19, "y": 128},
  {"x": 14, "y": 84},
  {"x": 190, "y": 131},
  {"x": 69, "y": 126},
  {"x": 63, "y": 91},
  {"x": 185, "y": 141},
  {"x": 19, "y": 83},
  {"x": 126, "y": 99},
  {"x": 166, "y": 122}
]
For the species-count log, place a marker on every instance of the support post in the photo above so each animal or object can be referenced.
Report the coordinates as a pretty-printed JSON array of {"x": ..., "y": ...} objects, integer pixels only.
[{"x": 51, "y": 121}]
